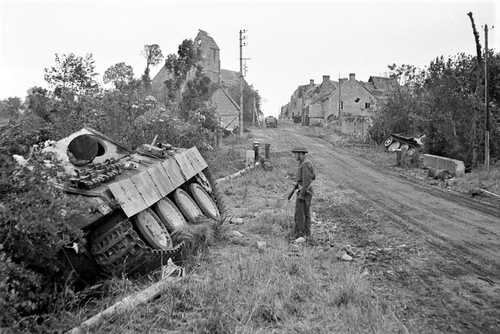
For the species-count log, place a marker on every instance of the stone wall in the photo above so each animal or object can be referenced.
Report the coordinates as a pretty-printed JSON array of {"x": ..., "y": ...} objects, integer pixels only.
[
  {"x": 455, "y": 167},
  {"x": 356, "y": 126}
]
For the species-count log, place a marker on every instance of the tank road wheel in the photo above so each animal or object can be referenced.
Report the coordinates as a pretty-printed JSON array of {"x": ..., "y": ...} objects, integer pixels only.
[
  {"x": 117, "y": 248},
  {"x": 203, "y": 181},
  {"x": 218, "y": 198},
  {"x": 388, "y": 141},
  {"x": 169, "y": 214},
  {"x": 187, "y": 205},
  {"x": 394, "y": 146},
  {"x": 204, "y": 201},
  {"x": 152, "y": 229}
]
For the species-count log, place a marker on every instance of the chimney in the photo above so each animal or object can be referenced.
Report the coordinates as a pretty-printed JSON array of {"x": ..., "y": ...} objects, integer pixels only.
[
  {"x": 352, "y": 76},
  {"x": 311, "y": 82},
  {"x": 326, "y": 78}
]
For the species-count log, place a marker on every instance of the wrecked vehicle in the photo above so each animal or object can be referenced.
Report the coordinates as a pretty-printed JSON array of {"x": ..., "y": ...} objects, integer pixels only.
[
  {"x": 271, "y": 122},
  {"x": 137, "y": 200},
  {"x": 396, "y": 142}
]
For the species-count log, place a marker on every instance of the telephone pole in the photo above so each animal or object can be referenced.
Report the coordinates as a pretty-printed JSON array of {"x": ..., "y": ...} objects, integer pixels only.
[
  {"x": 340, "y": 100},
  {"x": 487, "y": 125},
  {"x": 240, "y": 115}
]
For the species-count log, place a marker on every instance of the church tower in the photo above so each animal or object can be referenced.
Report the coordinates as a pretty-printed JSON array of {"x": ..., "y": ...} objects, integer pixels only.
[{"x": 209, "y": 54}]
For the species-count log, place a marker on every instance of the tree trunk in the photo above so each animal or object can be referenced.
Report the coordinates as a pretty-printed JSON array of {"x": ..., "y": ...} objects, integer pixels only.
[{"x": 475, "y": 144}]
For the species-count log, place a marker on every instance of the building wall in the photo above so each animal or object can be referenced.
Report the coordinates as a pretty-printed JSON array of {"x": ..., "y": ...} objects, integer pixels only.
[
  {"x": 315, "y": 111},
  {"x": 356, "y": 126},
  {"x": 354, "y": 98},
  {"x": 209, "y": 54}
]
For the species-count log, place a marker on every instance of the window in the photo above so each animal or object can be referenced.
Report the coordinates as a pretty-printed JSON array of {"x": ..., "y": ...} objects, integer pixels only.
[
  {"x": 341, "y": 105},
  {"x": 367, "y": 105}
]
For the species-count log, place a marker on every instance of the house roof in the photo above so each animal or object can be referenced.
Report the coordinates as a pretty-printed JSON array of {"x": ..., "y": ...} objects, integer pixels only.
[
  {"x": 229, "y": 78},
  {"x": 382, "y": 83},
  {"x": 324, "y": 90},
  {"x": 226, "y": 108},
  {"x": 380, "y": 87},
  {"x": 159, "y": 79}
]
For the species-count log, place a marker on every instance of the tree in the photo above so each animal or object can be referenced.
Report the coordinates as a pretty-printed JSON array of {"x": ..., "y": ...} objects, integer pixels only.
[
  {"x": 10, "y": 107},
  {"x": 119, "y": 74},
  {"x": 153, "y": 55},
  {"x": 38, "y": 102},
  {"x": 179, "y": 65},
  {"x": 72, "y": 74},
  {"x": 193, "y": 106}
]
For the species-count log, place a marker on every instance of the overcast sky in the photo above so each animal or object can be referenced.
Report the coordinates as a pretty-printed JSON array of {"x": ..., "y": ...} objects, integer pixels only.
[{"x": 289, "y": 42}]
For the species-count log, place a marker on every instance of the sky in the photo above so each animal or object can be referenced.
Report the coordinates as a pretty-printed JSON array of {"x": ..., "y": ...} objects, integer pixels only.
[{"x": 289, "y": 42}]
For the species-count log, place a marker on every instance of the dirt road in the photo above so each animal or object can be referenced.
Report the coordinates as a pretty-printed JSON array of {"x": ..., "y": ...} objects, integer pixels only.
[{"x": 434, "y": 256}]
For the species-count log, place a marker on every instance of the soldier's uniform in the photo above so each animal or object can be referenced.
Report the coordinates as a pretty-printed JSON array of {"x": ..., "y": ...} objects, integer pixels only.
[{"x": 305, "y": 175}]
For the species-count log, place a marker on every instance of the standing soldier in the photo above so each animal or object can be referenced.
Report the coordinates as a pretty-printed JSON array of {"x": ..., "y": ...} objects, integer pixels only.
[{"x": 305, "y": 176}]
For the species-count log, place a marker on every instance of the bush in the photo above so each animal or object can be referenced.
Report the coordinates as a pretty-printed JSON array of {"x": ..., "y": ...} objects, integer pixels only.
[{"x": 35, "y": 231}]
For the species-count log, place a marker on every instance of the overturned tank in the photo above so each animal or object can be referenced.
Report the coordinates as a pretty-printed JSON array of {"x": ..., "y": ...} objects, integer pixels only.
[
  {"x": 397, "y": 142},
  {"x": 137, "y": 200}
]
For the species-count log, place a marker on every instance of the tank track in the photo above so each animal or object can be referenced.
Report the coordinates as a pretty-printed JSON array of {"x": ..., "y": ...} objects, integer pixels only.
[{"x": 120, "y": 249}]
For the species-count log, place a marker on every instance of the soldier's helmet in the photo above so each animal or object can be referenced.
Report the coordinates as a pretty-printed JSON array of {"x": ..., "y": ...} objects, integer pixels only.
[{"x": 300, "y": 150}]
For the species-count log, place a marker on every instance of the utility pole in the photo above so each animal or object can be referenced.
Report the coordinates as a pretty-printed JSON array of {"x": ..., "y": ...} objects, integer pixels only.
[
  {"x": 254, "y": 109},
  {"x": 242, "y": 44},
  {"x": 487, "y": 125},
  {"x": 340, "y": 103}
]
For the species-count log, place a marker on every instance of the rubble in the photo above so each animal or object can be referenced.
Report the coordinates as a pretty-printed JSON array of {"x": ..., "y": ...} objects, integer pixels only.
[
  {"x": 300, "y": 240},
  {"x": 344, "y": 256},
  {"x": 236, "y": 234},
  {"x": 236, "y": 221},
  {"x": 261, "y": 246}
]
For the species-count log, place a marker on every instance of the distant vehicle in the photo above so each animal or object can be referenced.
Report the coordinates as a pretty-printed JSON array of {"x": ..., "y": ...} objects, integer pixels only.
[{"x": 271, "y": 122}]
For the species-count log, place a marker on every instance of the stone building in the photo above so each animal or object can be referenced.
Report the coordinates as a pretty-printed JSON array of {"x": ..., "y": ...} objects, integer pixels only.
[
  {"x": 226, "y": 108},
  {"x": 323, "y": 106},
  {"x": 299, "y": 102}
]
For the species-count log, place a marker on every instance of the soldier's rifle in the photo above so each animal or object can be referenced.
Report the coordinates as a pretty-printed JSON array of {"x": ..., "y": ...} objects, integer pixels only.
[{"x": 290, "y": 195}]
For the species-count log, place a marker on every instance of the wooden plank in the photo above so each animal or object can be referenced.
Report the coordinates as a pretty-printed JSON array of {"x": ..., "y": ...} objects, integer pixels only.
[
  {"x": 146, "y": 188},
  {"x": 136, "y": 203},
  {"x": 173, "y": 172},
  {"x": 161, "y": 180},
  {"x": 203, "y": 163},
  {"x": 152, "y": 184},
  {"x": 185, "y": 166},
  {"x": 200, "y": 163},
  {"x": 119, "y": 194}
]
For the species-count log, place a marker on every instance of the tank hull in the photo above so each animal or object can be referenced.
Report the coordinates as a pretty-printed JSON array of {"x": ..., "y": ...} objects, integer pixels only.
[{"x": 118, "y": 186}]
